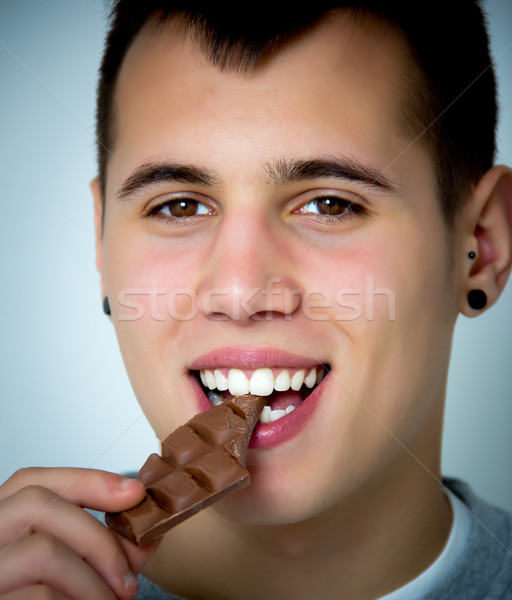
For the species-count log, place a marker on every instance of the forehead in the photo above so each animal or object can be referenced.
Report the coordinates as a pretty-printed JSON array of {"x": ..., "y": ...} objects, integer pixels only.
[{"x": 342, "y": 82}]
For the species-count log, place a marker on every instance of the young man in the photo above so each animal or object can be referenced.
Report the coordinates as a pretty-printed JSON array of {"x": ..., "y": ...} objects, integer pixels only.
[{"x": 285, "y": 196}]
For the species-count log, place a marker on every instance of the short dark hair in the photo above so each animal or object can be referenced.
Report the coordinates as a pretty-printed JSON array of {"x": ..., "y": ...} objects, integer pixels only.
[{"x": 451, "y": 105}]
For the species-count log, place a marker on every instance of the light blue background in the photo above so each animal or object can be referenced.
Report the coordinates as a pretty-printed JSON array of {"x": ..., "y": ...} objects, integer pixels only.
[{"x": 66, "y": 399}]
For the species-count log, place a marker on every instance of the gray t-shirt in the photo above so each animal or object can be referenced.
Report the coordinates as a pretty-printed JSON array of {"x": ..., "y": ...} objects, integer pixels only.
[{"x": 481, "y": 570}]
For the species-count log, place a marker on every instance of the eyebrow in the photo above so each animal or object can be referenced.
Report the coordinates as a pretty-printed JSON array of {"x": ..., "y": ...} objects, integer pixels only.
[
  {"x": 349, "y": 169},
  {"x": 281, "y": 171},
  {"x": 162, "y": 172}
]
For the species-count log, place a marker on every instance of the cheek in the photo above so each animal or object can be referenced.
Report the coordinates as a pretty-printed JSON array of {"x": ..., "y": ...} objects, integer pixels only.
[
  {"x": 152, "y": 277},
  {"x": 350, "y": 285},
  {"x": 399, "y": 268},
  {"x": 388, "y": 293},
  {"x": 402, "y": 340},
  {"x": 152, "y": 296}
]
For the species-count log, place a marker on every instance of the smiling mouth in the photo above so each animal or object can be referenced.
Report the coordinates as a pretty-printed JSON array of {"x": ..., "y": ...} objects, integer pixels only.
[{"x": 285, "y": 387}]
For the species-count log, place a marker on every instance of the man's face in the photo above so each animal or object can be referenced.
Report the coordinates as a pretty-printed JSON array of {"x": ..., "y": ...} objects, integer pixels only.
[{"x": 278, "y": 219}]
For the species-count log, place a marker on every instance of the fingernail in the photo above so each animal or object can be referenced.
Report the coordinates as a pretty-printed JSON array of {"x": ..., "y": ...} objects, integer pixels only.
[
  {"x": 126, "y": 483},
  {"x": 130, "y": 580}
]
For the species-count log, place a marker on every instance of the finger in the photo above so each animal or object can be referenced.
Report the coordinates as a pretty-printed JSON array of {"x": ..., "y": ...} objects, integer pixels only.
[
  {"x": 137, "y": 557},
  {"x": 42, "y": 559},
  {"x": 34, "y": 592},
  {"x": 35, "y": 509},
  {"x": 98, "y": 490}
]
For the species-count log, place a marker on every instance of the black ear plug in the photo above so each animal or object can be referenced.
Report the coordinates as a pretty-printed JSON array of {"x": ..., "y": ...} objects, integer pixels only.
[{"x": 477, "y": 299}]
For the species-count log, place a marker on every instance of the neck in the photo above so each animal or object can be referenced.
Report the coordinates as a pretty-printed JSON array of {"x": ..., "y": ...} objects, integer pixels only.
[{"x": 373, "y": 542}]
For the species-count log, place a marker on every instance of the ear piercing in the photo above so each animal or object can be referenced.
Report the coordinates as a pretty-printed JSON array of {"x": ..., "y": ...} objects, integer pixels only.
[
  {"x": 106, "y": 306},
  {"x": 477, "y": 299}
]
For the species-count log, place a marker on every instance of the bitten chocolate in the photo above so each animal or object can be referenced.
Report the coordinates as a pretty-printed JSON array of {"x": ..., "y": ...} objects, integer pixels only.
[{"x": 202, "y": 462}]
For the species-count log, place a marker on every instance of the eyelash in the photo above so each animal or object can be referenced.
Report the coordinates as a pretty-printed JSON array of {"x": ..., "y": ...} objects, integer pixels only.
[
  {"x": 349, "y": 210},
  {"x": 156, "y": 212}
]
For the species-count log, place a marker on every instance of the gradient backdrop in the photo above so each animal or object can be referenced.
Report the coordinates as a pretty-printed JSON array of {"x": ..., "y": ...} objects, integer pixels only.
[{"x": 66, "y": 400}]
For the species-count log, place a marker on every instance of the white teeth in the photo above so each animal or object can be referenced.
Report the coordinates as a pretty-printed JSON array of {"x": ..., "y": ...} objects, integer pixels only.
[
  {"x": 221, "y": 382},
  {"x": 265, "y": 414},
  {"x": 268, "y": 415},
  {"x": 238, "y": 384},
  {"x": 262, "y": 382},
  {"x": 210, "y": 380},
  {"x": 277, "y": 414},
  {"x": 282, "y": 382},
  {"x": 310, "y": 378},
  {"x": 298, "y": 380}
]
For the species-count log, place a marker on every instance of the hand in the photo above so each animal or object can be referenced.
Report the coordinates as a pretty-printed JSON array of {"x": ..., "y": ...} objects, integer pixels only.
[{"x": 51, "y": 548}]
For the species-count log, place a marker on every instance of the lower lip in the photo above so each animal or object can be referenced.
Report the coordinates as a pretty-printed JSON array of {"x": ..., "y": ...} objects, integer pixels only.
[{"x": 268, "y": 435}]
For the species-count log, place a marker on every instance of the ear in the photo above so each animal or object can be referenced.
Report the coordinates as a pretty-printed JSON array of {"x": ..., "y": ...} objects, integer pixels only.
[
  {"x": 489, "y": 236},
  {"x": 97, "y": 195}
]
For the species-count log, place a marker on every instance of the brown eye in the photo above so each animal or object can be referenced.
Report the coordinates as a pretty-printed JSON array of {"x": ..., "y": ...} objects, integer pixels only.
[
  {"x": 181, "y": 208},
  {"x": 331, "y": 206}
]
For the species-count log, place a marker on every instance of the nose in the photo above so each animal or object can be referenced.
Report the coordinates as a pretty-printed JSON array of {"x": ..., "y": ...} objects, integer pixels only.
[{"x": 250, "y": 274}]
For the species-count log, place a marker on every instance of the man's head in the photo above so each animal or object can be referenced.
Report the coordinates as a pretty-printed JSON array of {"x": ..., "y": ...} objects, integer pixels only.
[
  {"x": 279, "y": 216},
  {"x": 449, "y": 104}
]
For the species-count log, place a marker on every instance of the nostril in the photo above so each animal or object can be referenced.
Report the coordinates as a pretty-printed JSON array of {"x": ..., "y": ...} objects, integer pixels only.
[
  {"x": 218, "y": 316},
  {"x": 238, "y": 299},
  {"x": 267, "y": 315}
]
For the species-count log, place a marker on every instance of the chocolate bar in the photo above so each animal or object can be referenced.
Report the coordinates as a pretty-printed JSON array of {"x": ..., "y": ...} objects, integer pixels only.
[{"x": 202, "y": 462}]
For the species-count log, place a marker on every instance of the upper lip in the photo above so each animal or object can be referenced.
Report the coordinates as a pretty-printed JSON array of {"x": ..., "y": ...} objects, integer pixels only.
[{"x": 246, "y": 357}]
